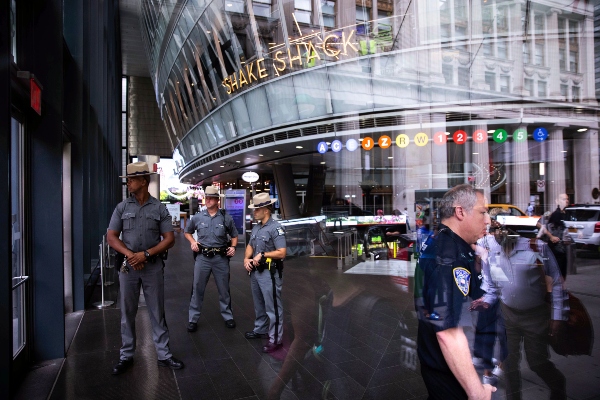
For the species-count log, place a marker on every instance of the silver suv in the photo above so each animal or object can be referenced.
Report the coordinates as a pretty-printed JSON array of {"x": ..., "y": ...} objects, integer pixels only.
[{"x": 583, "y": 222}]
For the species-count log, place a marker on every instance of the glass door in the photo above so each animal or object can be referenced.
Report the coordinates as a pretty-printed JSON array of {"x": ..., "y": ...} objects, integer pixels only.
[{"x": 19, "y": 278}]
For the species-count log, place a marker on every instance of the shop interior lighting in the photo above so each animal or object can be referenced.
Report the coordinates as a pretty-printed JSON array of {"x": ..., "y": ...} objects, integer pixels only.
[
  {"x": 582, "y": 130},
  {"x": 299, "y": 147},
  {"x": 260, "y": 155},
  {"x": 323, "y": 162},
  {"x": 390, "y": 158},
  {"x": 277, "y": 151},
  {"x": 491, "y": 131},
  {"x": 475, "y": 153}
]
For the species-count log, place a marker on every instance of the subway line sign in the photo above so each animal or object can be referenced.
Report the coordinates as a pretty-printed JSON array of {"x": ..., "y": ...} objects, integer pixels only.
[{"x": 421, "y": 139}]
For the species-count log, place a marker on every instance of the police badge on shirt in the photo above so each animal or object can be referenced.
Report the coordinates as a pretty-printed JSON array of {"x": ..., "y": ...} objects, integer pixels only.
[
  {"x": 280, "y": 231},
  {"x": 462, "y": 278}
]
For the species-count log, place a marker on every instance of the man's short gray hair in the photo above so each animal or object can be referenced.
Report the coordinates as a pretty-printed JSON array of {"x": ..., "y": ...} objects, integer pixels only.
[{"x": 463, "y": 195}]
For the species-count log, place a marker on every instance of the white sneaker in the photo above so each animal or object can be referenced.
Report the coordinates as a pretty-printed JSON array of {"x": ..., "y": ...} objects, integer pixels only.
[
  {"x": 490, "y": 380},
  {"x": 497, "y": 371},
  {"x": 478, "y": 362}
]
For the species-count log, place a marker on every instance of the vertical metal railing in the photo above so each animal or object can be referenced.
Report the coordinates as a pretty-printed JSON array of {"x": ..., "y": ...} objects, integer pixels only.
[{"x": 104, "y": 265}]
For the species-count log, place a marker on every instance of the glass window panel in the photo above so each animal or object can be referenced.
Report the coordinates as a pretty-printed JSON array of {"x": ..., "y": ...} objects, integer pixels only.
[
  {"x": 463, "y": 77},
  {"x": 347, "y": 92},
  {"x": 539, "y": 54},
  {"x": 576, "y": 93},
  {"x": 528, "y": 86},
  {"x": 384, "y": 23},
  {"x": 305, "y": 5},
  {"x": 541, "y": 89},
  {"x": 216, "y": 123},
  {"x": 502, "y": 49},
  {"x": 505, "y": 84},
  {"x": 228, "y": 121},
  {"x": 240, "y": 112},
  {"x": 282, "y": 102},
  {"x": 18, "y": 265},
  {"x": 564, "y": 91},
  {"x": 526, "y": 53},
  {"x": 573, "y": 61},
  {"x": 312, "y": 94},
  {"x": 209, "y": 133},
  {"x": 302, "y": 17},
  {"x": 234, "y": 6},
  {"x": 258, "y": 108},
  {"x": 490, "y": 80},
  {"x": 448, "y": 72}
]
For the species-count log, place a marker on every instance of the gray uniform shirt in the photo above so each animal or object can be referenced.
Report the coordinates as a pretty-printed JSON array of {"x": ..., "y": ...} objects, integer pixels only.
[
  {"x": 212, "y": 231},
  {"x": 267, "y": 237},
  {"x": 141, "y": 226}
]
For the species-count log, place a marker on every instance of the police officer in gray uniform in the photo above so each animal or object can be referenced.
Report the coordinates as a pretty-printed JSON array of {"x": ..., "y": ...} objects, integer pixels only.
[
  {"x": 213, "y": 227},
  {"x": 263, "y": 260},
  {"x": 143, "y": 220}
]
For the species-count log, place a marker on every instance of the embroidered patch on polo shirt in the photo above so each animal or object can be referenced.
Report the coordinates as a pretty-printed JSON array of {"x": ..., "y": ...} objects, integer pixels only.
[{"x": 462, "y": 277}]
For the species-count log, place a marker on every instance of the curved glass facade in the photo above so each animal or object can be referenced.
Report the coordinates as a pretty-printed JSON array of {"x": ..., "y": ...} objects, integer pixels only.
[{"x": 497, "y": 93}]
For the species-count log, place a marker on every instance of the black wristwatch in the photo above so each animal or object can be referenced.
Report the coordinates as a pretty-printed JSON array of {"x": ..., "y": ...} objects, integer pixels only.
[{"x": 146, "y": 254}]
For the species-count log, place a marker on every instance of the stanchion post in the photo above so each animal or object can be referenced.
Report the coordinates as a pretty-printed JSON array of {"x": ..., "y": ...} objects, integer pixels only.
[{"x": 103, "y": 303}]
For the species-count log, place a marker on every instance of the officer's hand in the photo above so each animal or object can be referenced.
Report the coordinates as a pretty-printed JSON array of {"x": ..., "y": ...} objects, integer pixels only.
[
  {"x": 555, "y": 327},
  {"x": 230, "y": 251},
  {"x": 555, "y": 239},
  {"x": 487, "y": 392},
  {"x": 195, "y": 247},
  {"x": 479, "y": 305},
  {"x": 137, "y": 260},
  {"x": 248, "y": 264},
  {"x": 257, "y": 259}
]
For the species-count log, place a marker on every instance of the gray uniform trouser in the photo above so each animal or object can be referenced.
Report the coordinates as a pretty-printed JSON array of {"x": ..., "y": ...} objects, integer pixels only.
[
  {"x": 151, "y": 278},
  {"x": 219, "y": 267},
  {"x": 266, "y": 292}
]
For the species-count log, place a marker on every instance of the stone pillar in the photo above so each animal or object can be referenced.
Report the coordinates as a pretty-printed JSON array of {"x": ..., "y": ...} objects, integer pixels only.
[
  {"x": 481, "y": 162},
  {"x": 519, "y": 177},
  {"x": 587, "y": 62},
  {"x": 553, "y": 59},
  {"x": 429, "y": 59},
  {"x": 516, "y": 43},
  {"x": 348, "y": 173},
  {"x": 477, "y": 66},
  {"x": 555, "y": 170},
  {"x": 439, "y": 154},
  {"x": 585, "y": 168}
]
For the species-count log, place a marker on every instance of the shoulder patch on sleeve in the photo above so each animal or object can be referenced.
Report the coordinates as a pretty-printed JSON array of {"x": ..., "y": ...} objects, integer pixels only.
[
  {"x": 462, "y": 278},
  {"x": 280, "y": 231}
]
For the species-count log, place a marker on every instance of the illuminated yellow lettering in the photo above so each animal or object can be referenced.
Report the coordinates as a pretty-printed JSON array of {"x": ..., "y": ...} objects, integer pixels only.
[
  {"x": 279, "y": 60},
  {"x": 298, "y": 57},
  {"x": 243, "y": 80},
  {"x": 226, "y": 84},
  {"x": 311, "y": 53},
  {"x": 262, "y": 71},
  {"x": 346, "y": 42},
  {"x": 330, "y": 53},
  {"x": 250, "y": 73},
  {"x": 234, "y": 83}
]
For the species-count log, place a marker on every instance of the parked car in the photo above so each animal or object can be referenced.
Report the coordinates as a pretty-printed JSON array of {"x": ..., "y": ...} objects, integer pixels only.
[
  {"x": 514, "y": 218},
  {"x": 583, "y": 222}
]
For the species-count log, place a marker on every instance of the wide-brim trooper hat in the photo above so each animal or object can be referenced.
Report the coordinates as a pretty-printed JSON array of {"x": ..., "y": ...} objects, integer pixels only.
[
  {"x": 212, "y": 191},
  {"x": 262, "y": 200},
  {"x": 139, "y": 168}
]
